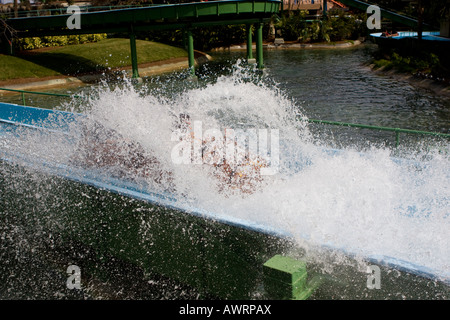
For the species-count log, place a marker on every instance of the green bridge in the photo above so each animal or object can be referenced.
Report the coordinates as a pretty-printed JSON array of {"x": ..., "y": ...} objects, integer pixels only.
[{"x": 185, "y": 16}]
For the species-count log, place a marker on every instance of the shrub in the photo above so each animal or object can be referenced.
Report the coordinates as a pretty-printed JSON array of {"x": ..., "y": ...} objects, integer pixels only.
[
  {"x": 56, "y": 41},
  {"x": 338, "y": 26}
]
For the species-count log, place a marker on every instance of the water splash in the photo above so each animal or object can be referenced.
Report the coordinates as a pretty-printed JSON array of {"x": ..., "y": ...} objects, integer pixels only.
[{"x": 368, "y": 204}]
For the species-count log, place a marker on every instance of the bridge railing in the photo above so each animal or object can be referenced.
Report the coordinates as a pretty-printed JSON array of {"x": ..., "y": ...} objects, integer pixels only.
[
  {"x": 396, "y": 131},
  {"x": 63, "y": 10}
]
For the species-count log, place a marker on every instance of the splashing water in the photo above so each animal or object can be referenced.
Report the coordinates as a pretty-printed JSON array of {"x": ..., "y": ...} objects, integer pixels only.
[{"x": 369, "y": 204}]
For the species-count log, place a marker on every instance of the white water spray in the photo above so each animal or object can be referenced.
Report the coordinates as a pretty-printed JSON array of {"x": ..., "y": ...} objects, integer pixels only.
[{"x": 366, "y": 204}]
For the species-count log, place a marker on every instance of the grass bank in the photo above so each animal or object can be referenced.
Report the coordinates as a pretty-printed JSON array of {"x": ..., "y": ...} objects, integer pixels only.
[{"x": 73, "y": 60}]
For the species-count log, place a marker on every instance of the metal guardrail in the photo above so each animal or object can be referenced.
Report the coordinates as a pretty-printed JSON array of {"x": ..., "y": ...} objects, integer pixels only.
[
  {"x": 397, "y": 131},
  {"x": 23, "y": 92}
]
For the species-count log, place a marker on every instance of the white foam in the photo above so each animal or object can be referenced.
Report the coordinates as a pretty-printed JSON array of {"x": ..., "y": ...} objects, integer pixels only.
[{"x": 366, "y": 203}]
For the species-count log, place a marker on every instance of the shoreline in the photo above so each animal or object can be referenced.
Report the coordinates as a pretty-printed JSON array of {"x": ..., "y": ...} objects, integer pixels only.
[
  {"x": 293, "y": 45},
  {"x": 145, "y": 70},
  {"x": 155, "y": 68},
  {"x": 438, "y": 88}
]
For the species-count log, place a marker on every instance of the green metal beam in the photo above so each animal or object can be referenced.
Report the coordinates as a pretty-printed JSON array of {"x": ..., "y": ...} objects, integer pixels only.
[
  {"x": 134, "y": 62},
  {"x": 259, "y": 46},
  {"x": 249, "y": 43},
  {"x": 191, "y": 58},
  {"x": 146, "y": 18}
]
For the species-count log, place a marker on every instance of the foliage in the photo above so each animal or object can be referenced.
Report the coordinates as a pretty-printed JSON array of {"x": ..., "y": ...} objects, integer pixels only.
[
  {"x": 339, "y": 26},
  {"x": 421, "y": 62},
  {"x": 56, "y": 41},
  {"x": 204, "y": 38},
  {"x": 344, "y": 26},
  {"x": 293, "y": 27},
  {"x": 290, "y": 26},
  {"x": 220, "y": 36}
]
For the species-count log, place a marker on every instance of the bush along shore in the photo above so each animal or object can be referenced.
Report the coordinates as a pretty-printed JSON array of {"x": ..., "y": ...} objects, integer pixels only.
[
  {"x": 33, "y": 43},
  {"x": 421, "y": 68},
  {"x": 421, "y": 64}
]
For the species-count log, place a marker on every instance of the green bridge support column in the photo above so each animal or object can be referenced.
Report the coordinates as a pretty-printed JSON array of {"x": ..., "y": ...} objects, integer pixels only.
[
  {"x": 191, "y": 58},
  {"x": 250, "y": 58},
  {"x": 259, "y": 46},
  {"x": 134, "y": 63}
]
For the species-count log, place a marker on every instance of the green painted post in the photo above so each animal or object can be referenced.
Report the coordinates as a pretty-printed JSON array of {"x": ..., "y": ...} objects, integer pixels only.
[
  {"x": 191, "y": 57},
  {"x": 250, "y": 58},
  {"x": 397, "y": 138},
  {"x": 259, "y": 46},
  {"x": 134, "y": 63},
  {"x": 287, "y": 278}
]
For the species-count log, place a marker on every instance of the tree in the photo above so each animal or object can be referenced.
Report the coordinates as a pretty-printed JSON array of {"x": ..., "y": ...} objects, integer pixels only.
[{"x": 16, "y": 9}]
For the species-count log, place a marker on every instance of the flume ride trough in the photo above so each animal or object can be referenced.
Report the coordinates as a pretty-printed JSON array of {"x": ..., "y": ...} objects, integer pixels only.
[{"x": 222, "y": 254}]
